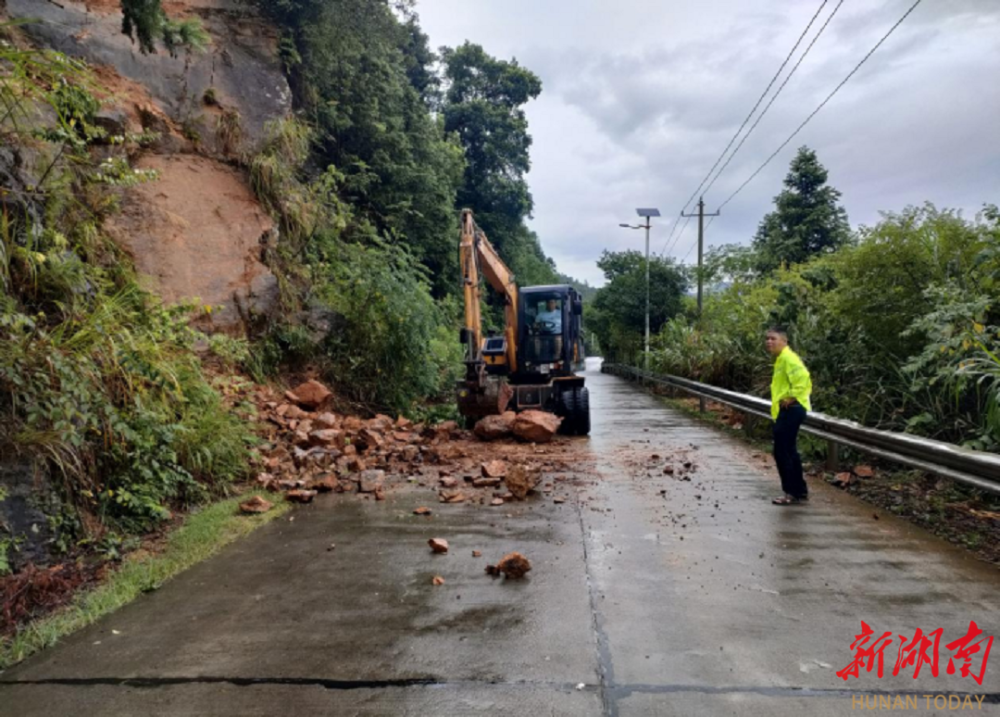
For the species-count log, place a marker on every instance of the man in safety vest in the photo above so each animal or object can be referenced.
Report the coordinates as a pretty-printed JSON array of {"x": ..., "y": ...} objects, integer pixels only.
[{"x": 790, "y": 389}]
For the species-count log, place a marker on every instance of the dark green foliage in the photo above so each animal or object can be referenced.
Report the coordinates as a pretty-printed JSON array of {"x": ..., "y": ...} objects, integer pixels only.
[
  {"x": 145, "y": 22},
  {"x": 362, "y": 78},
  {"x": 618, "y": 317},
  {"x": 483, "y": 105},
  {"x": 807, "y": 220}
]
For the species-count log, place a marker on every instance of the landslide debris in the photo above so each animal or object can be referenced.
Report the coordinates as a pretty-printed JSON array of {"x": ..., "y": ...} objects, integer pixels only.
[{"x": 312, "y": 449}]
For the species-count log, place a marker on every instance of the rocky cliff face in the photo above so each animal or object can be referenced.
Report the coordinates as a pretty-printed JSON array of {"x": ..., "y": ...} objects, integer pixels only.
[{"x": 197, "y": 231}]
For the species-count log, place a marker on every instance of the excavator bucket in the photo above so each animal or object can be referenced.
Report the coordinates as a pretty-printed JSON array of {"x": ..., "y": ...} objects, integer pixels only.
[{"x": 490, "y": 400}]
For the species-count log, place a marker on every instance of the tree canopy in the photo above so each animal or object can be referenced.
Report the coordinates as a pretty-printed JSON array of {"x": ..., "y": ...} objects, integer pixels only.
[{"x": 807, "y": 219}]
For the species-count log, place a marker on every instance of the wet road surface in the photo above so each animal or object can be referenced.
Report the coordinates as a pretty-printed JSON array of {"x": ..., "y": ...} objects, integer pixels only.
[{"x": 650, "y": 595}]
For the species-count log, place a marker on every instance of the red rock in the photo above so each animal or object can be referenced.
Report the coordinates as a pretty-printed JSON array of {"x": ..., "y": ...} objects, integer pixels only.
[
  {"x": 448, "y": 482},
  {"x": 327, "y": 437},
  {"x": 451, "y": 496},
  {"x": 301, "y": 438},
  {"x": 403, "y": 423},
  {"x": 282, "y": 409},
  {"x": 863, "y": 471},
  {"x": 300, "y": 496},
  {"x": 496, "y": 501},
  {"x": 380, "y": 493},
  {"x": 494, "y": 469},
  {"x": 327, "y": 420},
  {"x": 356, "y": 465},
  {"x": 422, "y": 511},
  {"x": 520, "y": 481},
  {"x": 438, "y": 545},
  {"x": 256, "y": 505},
  {"x": 476, "y": 554},
  {"x": 353, "y": 423},
  {"x": 494, "y": 427},
  {"x": 311, "y": 394},
  {"x": 559, "y": 500},
  {"x": 668, "y": 470},
  {"x": 325, "y": 484},
  {"x": 287, "y": 484},
  {"x": 513, "y": 565},
  {"x": 380, "y": 423},
  {"x": 486, "y": 482},
  {"x": 437, "y": 580},
  {"x": 370, "y": 438},
  {"x": 536, "y": 426},
  {"x": 294, "y": 413}
]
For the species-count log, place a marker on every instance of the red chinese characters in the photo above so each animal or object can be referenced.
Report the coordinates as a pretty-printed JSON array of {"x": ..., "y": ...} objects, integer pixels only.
[
  {"x": 966, "y": 647},
  {"x": 921, "y": 650}
]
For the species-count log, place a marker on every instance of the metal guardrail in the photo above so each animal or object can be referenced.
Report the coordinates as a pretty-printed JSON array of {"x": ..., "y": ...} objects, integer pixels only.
[{"x": 975, "y": 468}]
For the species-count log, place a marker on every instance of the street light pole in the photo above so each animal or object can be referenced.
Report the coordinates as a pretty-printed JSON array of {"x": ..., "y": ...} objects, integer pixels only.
[
  {"x": 646, "y": 360},
  {"x": 648, "y": 214}
]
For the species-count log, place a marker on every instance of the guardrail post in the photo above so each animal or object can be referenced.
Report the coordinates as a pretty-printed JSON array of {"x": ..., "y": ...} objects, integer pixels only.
[
  {"x": 701, "y": 404},
  {"x": 832, "y": 456}
]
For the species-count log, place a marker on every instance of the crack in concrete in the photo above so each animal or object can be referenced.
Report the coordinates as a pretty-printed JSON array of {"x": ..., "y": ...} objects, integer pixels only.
[
  {"x": 610, "y": 693},
  {"x": 609, "y": 700}
]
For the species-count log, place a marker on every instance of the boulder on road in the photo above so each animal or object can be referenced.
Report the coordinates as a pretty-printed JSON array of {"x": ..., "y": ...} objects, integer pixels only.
[
  {"x": 536, "y": 426},
  {"x": 494, "y": 469},
  {"x": 438, "y": 545},
  {"x": 494, "y": 427},
  {"x": 371, "y": 481},
  {"x": 520, "y": 481}
]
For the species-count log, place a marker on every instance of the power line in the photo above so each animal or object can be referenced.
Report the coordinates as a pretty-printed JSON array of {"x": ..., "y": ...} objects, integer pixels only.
[
  {"x": 677, "y": 240},
  {"x": 773, "y": 98},
  {"x": 822, "y": 104},
  {"x": 747, "y": 119}
]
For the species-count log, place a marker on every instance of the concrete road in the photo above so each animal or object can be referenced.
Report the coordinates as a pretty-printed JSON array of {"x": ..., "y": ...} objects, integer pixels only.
[{"x": 650, "y": 595}]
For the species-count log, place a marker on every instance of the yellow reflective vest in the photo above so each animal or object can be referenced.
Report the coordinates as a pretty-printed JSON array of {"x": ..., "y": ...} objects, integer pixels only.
[{"x": 791, "y": 380}]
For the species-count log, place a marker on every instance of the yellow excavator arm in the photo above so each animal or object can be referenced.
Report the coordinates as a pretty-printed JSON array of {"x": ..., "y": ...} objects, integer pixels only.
[{"x": 479, "y": 260}]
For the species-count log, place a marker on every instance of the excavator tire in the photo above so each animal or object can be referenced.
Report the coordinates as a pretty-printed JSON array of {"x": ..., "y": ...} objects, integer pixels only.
[
  {"x": 567, "y": 409},
  {"x": 581, "y": 415}
]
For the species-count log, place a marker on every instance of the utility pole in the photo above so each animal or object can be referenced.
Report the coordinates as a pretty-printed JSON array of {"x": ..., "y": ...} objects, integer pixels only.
[
  {"x": 701, "y": 243},
  {"x": 646, "y": 360},
  {"x": 648, "y": 213},
  {"x": 701, "y": 252}
]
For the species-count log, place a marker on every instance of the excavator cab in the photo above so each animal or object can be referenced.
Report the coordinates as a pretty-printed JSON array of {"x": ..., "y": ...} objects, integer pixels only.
[{"x": 549, "y": 330}]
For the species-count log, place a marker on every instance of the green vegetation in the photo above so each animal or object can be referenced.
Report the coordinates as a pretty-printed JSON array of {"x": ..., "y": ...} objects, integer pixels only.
[
  {"x": 367, "y": 181},
  {"x": 899, "y": 323},
  {"x": 100, "y": 384},
  {"x": 146, "y": 23},
  {"x": 203, "y": 534},
  {"x": 617, "y": 315}
]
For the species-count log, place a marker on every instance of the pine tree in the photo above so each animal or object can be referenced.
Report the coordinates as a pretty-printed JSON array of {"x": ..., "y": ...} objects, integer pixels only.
[{"x": 807, "y": 219}]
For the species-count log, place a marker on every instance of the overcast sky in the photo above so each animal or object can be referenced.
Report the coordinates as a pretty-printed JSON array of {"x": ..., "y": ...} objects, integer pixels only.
[{"x": 640, "y": 97}]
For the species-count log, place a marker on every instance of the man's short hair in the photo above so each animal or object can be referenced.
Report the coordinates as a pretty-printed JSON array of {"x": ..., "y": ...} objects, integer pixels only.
[{"x": 780, "y": 330}]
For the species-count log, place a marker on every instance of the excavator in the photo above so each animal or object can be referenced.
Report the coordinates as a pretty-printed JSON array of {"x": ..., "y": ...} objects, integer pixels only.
[{"x": 533, "y": 363}]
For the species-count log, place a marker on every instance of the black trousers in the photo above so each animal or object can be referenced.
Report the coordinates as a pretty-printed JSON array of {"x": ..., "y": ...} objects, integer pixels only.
[{"x": 786, "y": 452}]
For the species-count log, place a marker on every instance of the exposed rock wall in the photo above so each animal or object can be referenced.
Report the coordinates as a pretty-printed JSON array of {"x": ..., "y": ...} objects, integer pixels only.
[
  {"x": 197, "y": 233},
  {"x": 240, "y": 65}
]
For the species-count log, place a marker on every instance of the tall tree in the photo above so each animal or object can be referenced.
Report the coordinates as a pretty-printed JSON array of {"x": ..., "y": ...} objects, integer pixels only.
[
  {"x": 807, "y": 219},
  {"x": 484, "y": 106},
  {"x": 359, "y": 72},
  {"x": 619, "y": 316}
]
